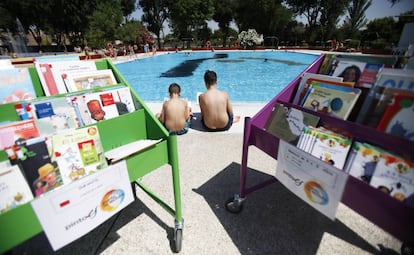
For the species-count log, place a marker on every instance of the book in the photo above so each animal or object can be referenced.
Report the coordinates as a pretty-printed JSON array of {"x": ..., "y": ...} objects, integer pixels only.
[
  {"x": 305, "y": 82},
  {"x": 398, "y": 117},
  {"x": 331, "y": 101},
  {"x": 126, "y": 150},
  {"x": 394, "y": 175},
  {"x": 44, "y": 71},
  {"x": 327, "y": 64},
  {"x": 349, "y": 70},
  {"x": 369, "y": 75},
  {"x": 41, "y": 173},
  {"x": 78, "y": 153},
  {"x": 16, "y": 85},
  {"x": 14, "y": 190},
  {"x": 17, "y": 131},
  {"x": 97, "y": 106},
  {"x": 363, "y": 160},
  {"x": 89, "y": 80},
  {"x": 330, "y": 147},
  {"x": 287, "y": 123},
  {"x": 53, "y": 115}
]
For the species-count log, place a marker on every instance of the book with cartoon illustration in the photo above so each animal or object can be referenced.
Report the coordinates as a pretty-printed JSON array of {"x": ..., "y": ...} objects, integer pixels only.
[
  {"x": 78, "y": 153},
  {"x": 394, "y": 175},
  {"x": 14, "y": 190},
  {"x": 89, "y": 80},
  {"x": 17, "y": 131},
  {"x": 16, "y": 85},
  {"x": 287, "y": 123}
]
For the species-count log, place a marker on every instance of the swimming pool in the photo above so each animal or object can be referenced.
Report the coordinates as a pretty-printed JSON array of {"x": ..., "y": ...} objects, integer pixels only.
[{"x": 248, "y": 76}]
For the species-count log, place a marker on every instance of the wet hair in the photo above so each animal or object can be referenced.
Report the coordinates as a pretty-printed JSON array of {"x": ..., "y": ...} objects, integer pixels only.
[
  {"x": 210, "y": 77},
  {"x": 174, "y": 88}
]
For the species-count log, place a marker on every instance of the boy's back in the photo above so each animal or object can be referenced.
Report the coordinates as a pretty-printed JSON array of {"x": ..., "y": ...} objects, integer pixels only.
[{"x": 176, "y": 114}]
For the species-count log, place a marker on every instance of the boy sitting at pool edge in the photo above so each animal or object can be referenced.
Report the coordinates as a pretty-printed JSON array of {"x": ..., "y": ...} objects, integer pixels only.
[
  {"x": 175, "y": 114},
  {"x": 215, "y": 106}
]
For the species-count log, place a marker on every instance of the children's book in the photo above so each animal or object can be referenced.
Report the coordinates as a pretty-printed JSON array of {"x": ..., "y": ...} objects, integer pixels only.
[
  {"x": 305, "y": 82},
  {"x": 16, "y": 85},
  {"x": 14, "y": 190},
  {"x": 330, "y": 147},
  {"x": 369, "y": 75},
  {"x": 89, "y": 80},
  {"x": 44, "y": 71},
  {"x": 287, "y": 123},
  {"x": 398, "y": 117},
  {"x": 363, "y": 160},
  {"x": 53, "y": 115},
  {"x": 331, "y": 101},
  {"x": 349, "y": 70},
  {"x": 78, "y": 153},
  {"x": 41, "y": 173},
  {"x": 395, "y": 176},
  {"x": 327, "y": 64},
  {"x": 17, "y": 131}
]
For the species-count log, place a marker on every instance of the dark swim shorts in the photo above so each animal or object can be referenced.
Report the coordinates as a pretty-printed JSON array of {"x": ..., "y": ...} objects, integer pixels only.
[
  {"x": 227, "y": 127},
  {"x": 182, "y": 131}
]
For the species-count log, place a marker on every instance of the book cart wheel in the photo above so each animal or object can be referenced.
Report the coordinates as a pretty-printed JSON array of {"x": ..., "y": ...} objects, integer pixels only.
[
  {"x": 178, "y": 239},
  {"x": 407, "y": 249},
  {"x": 234, "y": 204}
]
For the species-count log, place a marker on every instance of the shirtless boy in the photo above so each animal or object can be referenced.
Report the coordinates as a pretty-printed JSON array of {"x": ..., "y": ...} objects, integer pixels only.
[
  {"x": 175, "y": 113},
  {"x": 215, "y": 106}
]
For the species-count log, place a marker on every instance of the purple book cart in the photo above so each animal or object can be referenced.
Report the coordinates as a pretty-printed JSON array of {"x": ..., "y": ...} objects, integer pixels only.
[{"x": 381, "y": 209}]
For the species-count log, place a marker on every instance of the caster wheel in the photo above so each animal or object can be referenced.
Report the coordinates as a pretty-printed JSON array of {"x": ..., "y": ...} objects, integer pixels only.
[
  {"x": 234, "y": 205},
  {"x": 178, "y": 239}
]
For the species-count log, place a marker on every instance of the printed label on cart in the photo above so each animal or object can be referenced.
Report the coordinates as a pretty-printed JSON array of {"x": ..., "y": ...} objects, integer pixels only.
[
  {"x": 317, "y": 183},
  {"x": 77, "y": 208}
]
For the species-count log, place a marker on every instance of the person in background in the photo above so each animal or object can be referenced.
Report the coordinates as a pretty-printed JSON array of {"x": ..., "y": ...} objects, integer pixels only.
[
  {"x": 175, "y": 114},
  {"x": 215, "y": 106}
]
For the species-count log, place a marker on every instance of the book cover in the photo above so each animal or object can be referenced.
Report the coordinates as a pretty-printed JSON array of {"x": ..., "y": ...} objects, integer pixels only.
[
  {"x": 14, "y": 190},
  {"x": 44, "y": 71},
  {"x": 363, "y": 160},
  {"x": 16, "y": 85},
  {"x": 288, "y": 123},
  {"x": 349, "y": 70},
  {"x": 53, "y": 115},
  {"x": 332, "y": 101},
  {"x": 398, "y": 117},
  {"x": 331, "y": 148},
  {"x": 394, "y": 176},
  {"x": 369, "y": 75},
  {"x": 24, "y": 110},
  {"x": 306, "y": 80},
  {"x": 89, "y": 80},
  {"x": 17, "y": 131},
  {"x": 40, "y": 171},
  {"x": 78, "y": 153},
  {"x": 327, "y": 64}
]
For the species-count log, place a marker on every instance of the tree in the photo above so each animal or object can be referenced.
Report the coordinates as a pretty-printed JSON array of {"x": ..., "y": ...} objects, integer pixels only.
[
  {"x": 223, "y": 15},
  {"x": 356, "y": 19},
  {"x": 155, "y": 14}
]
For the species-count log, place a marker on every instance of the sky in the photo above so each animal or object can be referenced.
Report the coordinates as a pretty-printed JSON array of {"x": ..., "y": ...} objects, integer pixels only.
[{"x": 378, "y": 9}]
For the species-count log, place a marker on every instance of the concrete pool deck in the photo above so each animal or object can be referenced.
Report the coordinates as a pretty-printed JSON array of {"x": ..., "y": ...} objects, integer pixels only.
[{"x": 273, "y": 221}]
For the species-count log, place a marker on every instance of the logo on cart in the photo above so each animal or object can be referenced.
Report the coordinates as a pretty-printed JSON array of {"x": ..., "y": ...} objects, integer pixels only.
[
  {"x": 112, "y": 199},
  {"x": 316, "y": 193}
]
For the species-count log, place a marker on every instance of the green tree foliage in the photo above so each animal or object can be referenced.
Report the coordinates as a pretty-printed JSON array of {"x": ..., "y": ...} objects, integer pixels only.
[
  {"x": 155, "y": 15},
  {"x": 355, "y": 19},
  {"x": 224, "y": 15},
  {"x": 186, "y": 16}
]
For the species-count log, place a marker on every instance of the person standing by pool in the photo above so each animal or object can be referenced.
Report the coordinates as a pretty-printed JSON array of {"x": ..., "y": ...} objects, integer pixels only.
[
  {"x": 215, "y": 106},
  {"x": 175, "y": 113}
]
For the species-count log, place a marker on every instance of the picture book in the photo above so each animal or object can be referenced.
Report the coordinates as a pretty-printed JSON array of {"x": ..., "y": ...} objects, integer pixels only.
[
  {"x": 17, "y": 131},
  {"x": 78, "y": 153},
  {"x": 53, "y": 115},
  {"x": 41, "y": 173},
  {"x": 349, "y": 70},
  {"x": 331, "y": 101},
  {"x": 44, "y": 71},
  {"x": 96, "y": 106},
  {"x": 395, "y": 176},
  {"x": 398, "y": 117},
  {"x": 16, "y": 85},
  {"x": 330, "y": 147},
  {"x": 287, "y": 123},
  {"x": 369, "y": 75},
  {"x": 305, "y": 82},
  {"x": 24, "y": 110},
  {"x": 89, "y": 80},
  {"x": 14, "y": 190},
  {"x": 327, "y": 64},
  {"x": 363, "y": 160}
]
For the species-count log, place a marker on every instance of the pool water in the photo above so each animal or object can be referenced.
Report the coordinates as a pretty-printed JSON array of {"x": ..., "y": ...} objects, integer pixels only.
[{"x": 247, "y": 76}]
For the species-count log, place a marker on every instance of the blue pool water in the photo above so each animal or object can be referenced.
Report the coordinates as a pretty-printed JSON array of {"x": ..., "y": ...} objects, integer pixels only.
[{"x": 248, "y": 76}]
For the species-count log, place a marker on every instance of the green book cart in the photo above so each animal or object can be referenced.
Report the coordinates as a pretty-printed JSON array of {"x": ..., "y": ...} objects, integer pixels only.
[{"x": 21, "y": 223}]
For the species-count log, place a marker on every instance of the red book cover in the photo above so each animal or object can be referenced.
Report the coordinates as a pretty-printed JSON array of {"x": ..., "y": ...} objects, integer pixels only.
[
  {"x": 17, "y": 131},
  {"x": 398, "y": 117}
]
